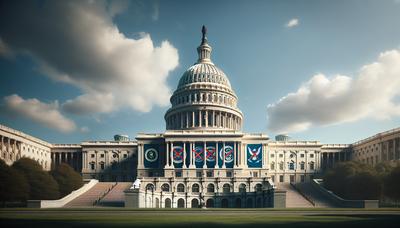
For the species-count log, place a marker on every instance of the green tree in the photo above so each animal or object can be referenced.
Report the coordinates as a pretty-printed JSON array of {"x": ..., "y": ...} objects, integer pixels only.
[
  {"x": 14, "y": 186},
  {"x": 353, "y": 180},
  {"x": 67, "y": 178},
  {"x": 42, "y": 184},
  {"x": 392, "y": 184}
]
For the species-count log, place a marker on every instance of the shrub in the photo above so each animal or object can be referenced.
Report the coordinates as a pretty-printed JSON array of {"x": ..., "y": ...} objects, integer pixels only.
[
  {"x": 67, "y": 178},
  {"x": 14, "y": 186},
  {"x": 392, "y": 184},
  {"x": 42, "y": 184}
]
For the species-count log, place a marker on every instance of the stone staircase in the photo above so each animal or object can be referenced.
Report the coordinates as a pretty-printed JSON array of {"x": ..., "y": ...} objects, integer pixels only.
[
  {"x": 315, "y": 195},
  {"x": 116, "y": 197},
  {"x": 89, "y": 198},
  {"x": 293, "y": 198}
]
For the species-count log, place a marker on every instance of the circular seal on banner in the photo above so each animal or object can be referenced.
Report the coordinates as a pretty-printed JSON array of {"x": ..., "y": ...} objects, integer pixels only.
[
  {"x": 198, "y": 154},
  {"x": 228, "y": 150},
  {"x": 210, "y": 153},
  {"x": 178, "y": 154},
  {"x": 151, "y": 155}
]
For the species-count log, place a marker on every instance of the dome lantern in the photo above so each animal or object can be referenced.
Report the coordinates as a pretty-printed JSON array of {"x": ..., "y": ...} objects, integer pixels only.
[{"x": 204, "y": 50}]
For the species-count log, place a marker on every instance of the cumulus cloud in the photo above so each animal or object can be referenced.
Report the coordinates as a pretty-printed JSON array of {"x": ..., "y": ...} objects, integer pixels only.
[
  {"x": 39, "y": 112},
  {"x": 292, "y": 23},
  {"x": 76, "y": 42},
  {"x": 372, "y": 93}
]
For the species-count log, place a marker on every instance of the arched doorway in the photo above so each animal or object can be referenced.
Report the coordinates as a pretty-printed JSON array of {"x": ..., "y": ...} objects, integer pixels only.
[
  {"x": 238, "y": 203},
  {"x": 195, "y": 203},
  {"x": 181, "y": 203},
  {"x": 249, "y": 203},
  {"x": 224, "y": 203},
  {"x": 157, "y": 203},
  {"x": 210, "y": 203},
  {"x": 167, "y": 203}
]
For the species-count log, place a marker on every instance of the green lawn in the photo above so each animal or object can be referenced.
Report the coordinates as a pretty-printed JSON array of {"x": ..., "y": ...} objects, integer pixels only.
[{"x": 198, "y": 218}]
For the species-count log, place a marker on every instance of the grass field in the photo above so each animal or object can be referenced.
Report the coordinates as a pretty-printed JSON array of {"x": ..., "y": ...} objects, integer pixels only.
[{"x": 60, "y": 218}]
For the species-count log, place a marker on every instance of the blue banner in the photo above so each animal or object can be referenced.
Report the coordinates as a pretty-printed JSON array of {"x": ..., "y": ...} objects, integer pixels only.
[
  {"x": 177, "y": 154},
  {"x": 254, "y": 155},
  {"x": 151, "y": 155},
  {"x": 198, "y": 155},
  {"x": 211, "y": 154},
  {"x": 228, "y": 153}
]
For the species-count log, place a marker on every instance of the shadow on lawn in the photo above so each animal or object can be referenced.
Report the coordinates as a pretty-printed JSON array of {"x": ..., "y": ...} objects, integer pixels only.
[{"x": 362, "y": 221}]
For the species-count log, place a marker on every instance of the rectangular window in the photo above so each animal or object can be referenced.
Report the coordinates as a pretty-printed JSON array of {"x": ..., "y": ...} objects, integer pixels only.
[
  {"x": 199, "y": 174},
  {"x": 228, "y": 174},
  {"x": 281, "y": 166},
  {"x": 291, "y": 166},
  {"x": 92, "y": 166},
  {"x": 125, "y": 155},
  {"x": 255, "y": 174},
  {"x": 273, "y": 178},
  {"x": 302, "y": 178},
  {"x": 102, "y": 155},
  {"x": 311, "y": 155},
  {"x": 92, "y": 155},
  {"x": 102, "y": 165},
  {"x": 302, "y": 155},
  {"x": 292, "y": 180},
  {"x": 302, "y": 166},
  {"x": 272, "y": 155},
  {"x": 178, "y": 174},
  {"x": 281, "y": 155},
  {"x": 280, "y": 178},
  {"x": 210, "y": 174},
  {"x": 272, "y": 166},
  {"x": 311, "y": 166}
]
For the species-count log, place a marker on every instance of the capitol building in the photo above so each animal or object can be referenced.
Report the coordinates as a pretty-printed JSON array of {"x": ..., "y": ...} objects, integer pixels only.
[{"x": 203, "y": 158}]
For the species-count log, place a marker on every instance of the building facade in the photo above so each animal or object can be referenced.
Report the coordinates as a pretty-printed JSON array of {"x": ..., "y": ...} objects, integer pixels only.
[{"x": 203, "y": 157}]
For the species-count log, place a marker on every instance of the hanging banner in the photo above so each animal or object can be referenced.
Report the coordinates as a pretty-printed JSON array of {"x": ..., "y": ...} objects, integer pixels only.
[
  {"x": 254, "y": 155},
  {"x": 228, "y": 153},
  {"x": 199, "y": 155},
  {"x": 211, "y": 155},
  {"x": 151, "y": 155},
  {"x": 177, "y": 153}
]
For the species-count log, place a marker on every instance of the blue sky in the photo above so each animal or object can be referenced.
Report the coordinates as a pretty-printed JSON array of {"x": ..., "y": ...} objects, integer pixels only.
[{"x": 264, "y": 58}]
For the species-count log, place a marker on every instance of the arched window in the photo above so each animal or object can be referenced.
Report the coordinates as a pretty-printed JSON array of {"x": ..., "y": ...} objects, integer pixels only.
[
  {"x": 167, "y": 203},
  {"x": 210, "y": 203},
  {"x": 195, "y": 203},
  {"x": 210, "y": 188},
  {"x": 224, "y": 203},
  {"x": 238, "y": 203},
  {"x": 180, "y": 188},
  {"x": 195, "y": 188},
  {"x": 165, "y": 187},
  {"x": 226, "y": 188},
  {"x": 242, "y": 188},
  {"x": 258, "y": 187},
  {"x": 181, "y": 203},
  {"x": 150, "y": 187}
]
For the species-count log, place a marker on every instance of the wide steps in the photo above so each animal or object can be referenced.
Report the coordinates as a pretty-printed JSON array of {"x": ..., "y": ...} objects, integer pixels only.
[
  {"x": 116, "y": 197},
  {"x": 88, "y": 198},
  {"x": 293, "y": 198}
]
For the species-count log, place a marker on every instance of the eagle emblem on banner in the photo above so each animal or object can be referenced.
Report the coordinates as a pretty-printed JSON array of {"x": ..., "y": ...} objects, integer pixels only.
[
  {"x": 254, "y": 155},
  {"x": 151, "y": 155},
  {"x": 198, "y": 154},
  {"x": 178, "y": 154},
  {"x": 228, "y": 150},
  {"x": 210, "y": 153}
]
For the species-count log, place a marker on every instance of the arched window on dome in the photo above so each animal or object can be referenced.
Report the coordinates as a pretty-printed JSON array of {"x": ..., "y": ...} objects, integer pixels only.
[
  {"x": 209, "y": 98},
  {"x": 203, "y": 97}
]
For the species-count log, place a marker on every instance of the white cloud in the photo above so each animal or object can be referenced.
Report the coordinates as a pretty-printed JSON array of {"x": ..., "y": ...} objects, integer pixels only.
[
  {"x": 76, "y": 42},
  {"x": 39, "y": 112},
  {"x": 292, "y": 23},
  {"x": 372, "y": 93}
]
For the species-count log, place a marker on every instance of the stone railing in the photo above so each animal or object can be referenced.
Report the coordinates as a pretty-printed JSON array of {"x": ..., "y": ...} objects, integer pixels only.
[
  {"x": 66, "y": 199},
  {"x": 317, "y": 183}
]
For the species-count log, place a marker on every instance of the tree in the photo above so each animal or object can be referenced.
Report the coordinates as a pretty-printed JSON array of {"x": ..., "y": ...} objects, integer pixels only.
[
  {"x": 353, "y": 180},
  {"x": 67, "y": 178},
  {"x": 42, "y": 184},
  {"x": 392, "y": 184},
  {"x": 14, "y": 186}
]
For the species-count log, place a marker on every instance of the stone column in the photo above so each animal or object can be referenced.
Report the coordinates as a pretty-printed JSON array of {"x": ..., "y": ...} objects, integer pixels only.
[
  {"x": 192, "y": 118},
  {"x": 172, "y": 154},
  {"x": 191, "y": 165},
  {"x": 184, "y": 155},
  {"x": 204, "y": 155},
  {"x": 216, "y": 155},
  {"x": 200, "y": 118},
  {"x": 206, "y": 118},
  {"x": 167, "y": 155},
  {"x": 223, "y": 155}
]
